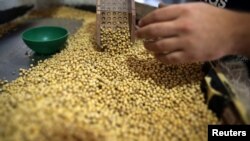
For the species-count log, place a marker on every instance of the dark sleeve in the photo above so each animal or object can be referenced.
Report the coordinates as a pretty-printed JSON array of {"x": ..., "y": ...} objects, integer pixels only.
[
  {"x": 239, "y": 5},
  {"x": 242, "y": 5}
]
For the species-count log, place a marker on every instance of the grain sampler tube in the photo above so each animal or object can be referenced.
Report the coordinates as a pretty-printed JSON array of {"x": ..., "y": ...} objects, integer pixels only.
[{"x": 115, "y": 23}]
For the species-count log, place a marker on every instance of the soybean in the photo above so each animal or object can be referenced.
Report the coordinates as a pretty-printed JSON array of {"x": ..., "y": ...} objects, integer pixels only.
[{"x": 120, "y": 94}]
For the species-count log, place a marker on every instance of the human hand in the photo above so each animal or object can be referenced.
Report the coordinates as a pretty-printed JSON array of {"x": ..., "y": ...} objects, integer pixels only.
[{"x": 187, "y": 33}]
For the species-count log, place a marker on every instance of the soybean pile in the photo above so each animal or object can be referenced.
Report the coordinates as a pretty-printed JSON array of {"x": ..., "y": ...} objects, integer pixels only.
[{"x": 82, "y": 94}]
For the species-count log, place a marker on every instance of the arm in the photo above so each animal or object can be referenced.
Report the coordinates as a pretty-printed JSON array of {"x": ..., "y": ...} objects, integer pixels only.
[
  {"x": 241, "y": 33},
  {"x": 194, "y": 32}
]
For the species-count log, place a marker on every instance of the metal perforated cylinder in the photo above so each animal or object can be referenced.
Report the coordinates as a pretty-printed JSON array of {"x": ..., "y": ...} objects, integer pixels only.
[{"x": 114, "y": 14}]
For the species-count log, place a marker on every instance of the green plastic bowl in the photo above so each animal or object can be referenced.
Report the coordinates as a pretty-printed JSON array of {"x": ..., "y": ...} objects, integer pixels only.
[{"x": 45, "y": 39}]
